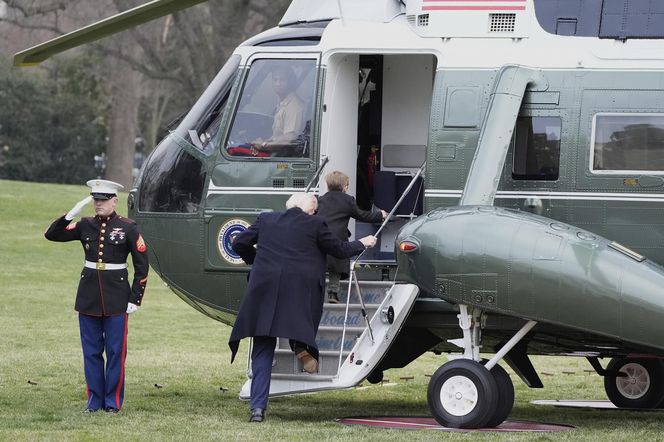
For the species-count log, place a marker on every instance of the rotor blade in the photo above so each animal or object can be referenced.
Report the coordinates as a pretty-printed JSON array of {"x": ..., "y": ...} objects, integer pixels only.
[{"x": 119, "y": 22}]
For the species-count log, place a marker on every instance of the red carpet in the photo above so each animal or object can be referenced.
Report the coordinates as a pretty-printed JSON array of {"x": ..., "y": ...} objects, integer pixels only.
[{"x": 428, "y": 423}]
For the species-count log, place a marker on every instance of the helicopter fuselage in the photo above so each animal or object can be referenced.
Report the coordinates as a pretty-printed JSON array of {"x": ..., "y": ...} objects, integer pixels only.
[{"x": 584, "y": 148}]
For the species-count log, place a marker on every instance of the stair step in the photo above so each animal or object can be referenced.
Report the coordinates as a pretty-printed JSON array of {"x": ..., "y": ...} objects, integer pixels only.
[
  {"x": 373, "y": 292},
  {"x": 285, "y": 362},
  {"x": 335, "y": 317},
  {"x": 321, "y": 353},
  {"x": 351, "y": 306},
  {"x": 339, "y": 329},
  {"x": 304, "y": 377},
  {"x": 329, "y": 338}
]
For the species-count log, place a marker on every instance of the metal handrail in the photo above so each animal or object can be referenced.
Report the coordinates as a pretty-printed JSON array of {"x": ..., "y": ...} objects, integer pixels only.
[
  {"x": 353, "y": 275},
  {"x": 322, "y": 165}
]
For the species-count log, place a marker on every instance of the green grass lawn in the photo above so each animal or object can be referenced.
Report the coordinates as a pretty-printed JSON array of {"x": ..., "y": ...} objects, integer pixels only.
[{"x": 42, "y": 388}]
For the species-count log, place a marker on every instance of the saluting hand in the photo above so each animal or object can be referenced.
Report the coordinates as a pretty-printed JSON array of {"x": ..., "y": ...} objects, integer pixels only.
[
  {"x": 131, "y": 308},
  {"x": 77, "y": 208}
]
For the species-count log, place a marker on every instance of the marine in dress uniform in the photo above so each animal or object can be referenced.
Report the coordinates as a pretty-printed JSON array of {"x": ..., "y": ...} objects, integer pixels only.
[
  {"x": 284, "y": 297},
  {"x": 104, "y": 297}
]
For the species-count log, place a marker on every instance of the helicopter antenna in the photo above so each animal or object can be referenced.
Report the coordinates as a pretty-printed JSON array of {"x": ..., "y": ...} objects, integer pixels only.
[{"x": 314, "y": 178}]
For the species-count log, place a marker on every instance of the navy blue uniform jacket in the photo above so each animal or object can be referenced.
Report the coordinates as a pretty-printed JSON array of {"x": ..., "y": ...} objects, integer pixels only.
[
  {"x": 284, "y": 296},
  {"x": 338, "y": 208},
  {"x": 108, "y": 240}
]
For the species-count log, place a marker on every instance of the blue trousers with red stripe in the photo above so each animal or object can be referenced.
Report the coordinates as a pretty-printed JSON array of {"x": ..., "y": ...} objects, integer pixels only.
[{"x": 105, "y": 383}]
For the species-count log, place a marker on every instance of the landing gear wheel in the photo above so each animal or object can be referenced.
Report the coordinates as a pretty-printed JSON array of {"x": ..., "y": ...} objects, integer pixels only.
[
  {"x": 505, "y": 395},
  {"x": 375, "y": 377},
  {"x": 643, "y": 387},
  {"x": 462, "y": 394}
]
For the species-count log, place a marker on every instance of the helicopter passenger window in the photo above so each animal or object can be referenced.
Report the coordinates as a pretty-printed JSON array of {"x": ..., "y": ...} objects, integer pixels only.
[
  {"x": 628, "y": 142},
  {"x": 275, "y": 111},
  {"x": 537, "y": 148}
]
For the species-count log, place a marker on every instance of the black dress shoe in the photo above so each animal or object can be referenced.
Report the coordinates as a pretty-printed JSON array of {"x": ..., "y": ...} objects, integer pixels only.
[
  {"x": 332, "y": 298},
  {"x": 111, "y": 410},
  {"x": 257, "y": 415}
]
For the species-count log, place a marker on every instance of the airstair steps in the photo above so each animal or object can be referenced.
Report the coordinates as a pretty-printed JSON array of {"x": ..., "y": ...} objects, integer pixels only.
[
  {"x": 329, "y": 336},
  {"x": 360, "y": 353}
]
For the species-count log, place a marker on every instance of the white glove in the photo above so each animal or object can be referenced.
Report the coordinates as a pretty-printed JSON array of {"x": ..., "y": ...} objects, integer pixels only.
[
  {"x": 131, "y": 308},
  {"x": 77, "y": 208}
]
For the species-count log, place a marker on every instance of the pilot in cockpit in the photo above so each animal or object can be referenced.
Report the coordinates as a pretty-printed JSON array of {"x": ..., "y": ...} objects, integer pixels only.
[
  {"x": 288, "y": 123},
  {"x": 288, "y": 117}
]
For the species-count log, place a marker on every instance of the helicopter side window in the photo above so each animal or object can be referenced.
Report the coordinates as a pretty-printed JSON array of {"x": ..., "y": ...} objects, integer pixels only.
[
  {"x": 628, "y": 142},
  {"x": 205, "y": 137},
  {"x": 537, "y": 148},
  {"x": 199, "y": 127},
  {"x": 275, "y": 110},
  {"x": 173, "y": 180}
]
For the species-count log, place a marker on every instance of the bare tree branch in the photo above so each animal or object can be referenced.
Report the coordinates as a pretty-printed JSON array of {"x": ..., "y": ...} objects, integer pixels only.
[
  {"x": 24, "y": 25},
  {"x": 32, "y": 8},
  {"x": 156, "y": 74}
]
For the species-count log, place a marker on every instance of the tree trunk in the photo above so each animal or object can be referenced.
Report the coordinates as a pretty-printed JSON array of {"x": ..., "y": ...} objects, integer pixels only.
[{"x": 125, "y": 86}]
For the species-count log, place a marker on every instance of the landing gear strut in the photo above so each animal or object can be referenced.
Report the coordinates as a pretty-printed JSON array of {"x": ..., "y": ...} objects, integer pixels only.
[{"x": 467, "y": 393}]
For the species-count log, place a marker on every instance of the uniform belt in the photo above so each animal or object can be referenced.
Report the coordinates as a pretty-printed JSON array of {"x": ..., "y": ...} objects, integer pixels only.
[{"x": 104, "y": 266}]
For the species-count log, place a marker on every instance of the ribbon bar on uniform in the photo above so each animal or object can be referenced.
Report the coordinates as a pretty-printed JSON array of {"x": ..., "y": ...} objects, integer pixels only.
[{"x": 104, "y": 266}]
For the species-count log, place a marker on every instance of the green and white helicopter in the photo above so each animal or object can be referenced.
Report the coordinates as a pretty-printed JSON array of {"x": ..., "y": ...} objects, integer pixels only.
[{"x": 518, "y": 145}]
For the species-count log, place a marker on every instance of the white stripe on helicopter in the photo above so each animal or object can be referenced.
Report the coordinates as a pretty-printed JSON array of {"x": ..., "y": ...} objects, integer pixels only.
[
  {"x": 433, "y": 193},
  {"x": 214, "y": 190},
  {"x": 648, "y": 197}
]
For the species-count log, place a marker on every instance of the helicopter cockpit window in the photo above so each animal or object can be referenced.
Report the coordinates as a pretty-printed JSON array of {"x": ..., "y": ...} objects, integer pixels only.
[
  {"x": 537, "y": 148},
  {"x": 628, "y": 143},
  {"x": 275, "y": 111}
]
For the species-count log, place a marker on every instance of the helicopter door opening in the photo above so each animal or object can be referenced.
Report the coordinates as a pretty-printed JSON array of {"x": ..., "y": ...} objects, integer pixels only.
[{"x": 375, "y": 130}]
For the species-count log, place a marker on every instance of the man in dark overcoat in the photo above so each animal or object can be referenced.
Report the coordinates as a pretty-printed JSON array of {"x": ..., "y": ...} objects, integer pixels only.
[
  {"x": 105, "y": 293},
  {"x": 284, "y": 297},
  {"x": 337, "y": 207}
]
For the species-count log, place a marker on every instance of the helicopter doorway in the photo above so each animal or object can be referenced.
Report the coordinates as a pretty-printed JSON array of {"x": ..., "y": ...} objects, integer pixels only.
[{"x": 393, "y": 113}]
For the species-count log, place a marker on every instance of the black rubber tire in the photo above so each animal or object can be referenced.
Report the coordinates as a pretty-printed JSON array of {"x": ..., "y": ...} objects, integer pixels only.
[
  {"x": 475, "y": 411},
  {"x": 649, "y": 379},
  {"x": 505, "y": 396},
  {"x": 375, "y": 377}
]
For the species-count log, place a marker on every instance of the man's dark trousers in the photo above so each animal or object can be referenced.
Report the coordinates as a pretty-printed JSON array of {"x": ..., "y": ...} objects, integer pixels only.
[{"x": 261, "y": 368}]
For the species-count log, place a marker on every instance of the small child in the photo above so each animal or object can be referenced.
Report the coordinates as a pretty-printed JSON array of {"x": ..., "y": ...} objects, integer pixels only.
[{"x": 337, "y": 207}]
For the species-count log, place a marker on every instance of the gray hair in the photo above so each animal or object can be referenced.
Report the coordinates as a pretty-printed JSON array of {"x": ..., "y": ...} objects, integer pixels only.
[{"x": 305, "y": 201}]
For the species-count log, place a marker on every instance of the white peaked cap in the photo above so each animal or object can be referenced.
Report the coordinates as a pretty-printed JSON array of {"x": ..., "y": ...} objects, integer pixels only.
[{"x": 104, "y": 186}]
